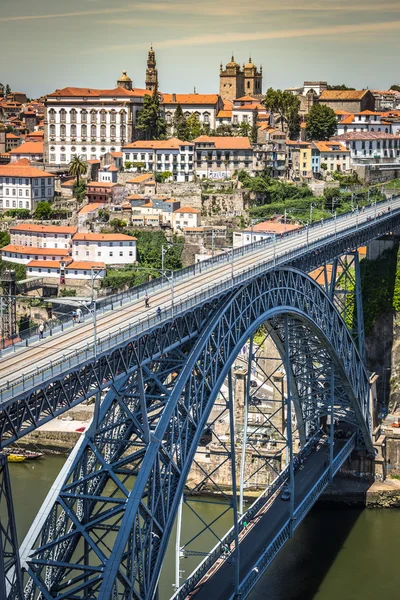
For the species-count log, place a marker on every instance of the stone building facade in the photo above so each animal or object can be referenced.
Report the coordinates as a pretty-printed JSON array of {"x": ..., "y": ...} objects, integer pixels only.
[
  {"x": 151, "y": 71},
  {"x": 351, "y": 101},
  {"x": 236, "y": 82}
]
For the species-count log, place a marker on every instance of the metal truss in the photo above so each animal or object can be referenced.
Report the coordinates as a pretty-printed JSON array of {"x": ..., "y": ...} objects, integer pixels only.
[
  {"x": 10, "y": 569},
  {"x": 106, "y": 535}
]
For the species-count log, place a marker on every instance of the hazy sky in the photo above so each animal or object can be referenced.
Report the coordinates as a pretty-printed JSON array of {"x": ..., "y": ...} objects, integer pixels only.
[{"x": 49, "y": 44}]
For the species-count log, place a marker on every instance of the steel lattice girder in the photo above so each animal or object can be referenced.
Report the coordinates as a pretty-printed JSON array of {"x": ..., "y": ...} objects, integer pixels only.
[
  {"x": 128, "y": 478},
  {"x": 26, "y": 411}
]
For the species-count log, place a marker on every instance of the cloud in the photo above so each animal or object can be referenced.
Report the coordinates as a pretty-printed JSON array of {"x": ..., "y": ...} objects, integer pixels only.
[
  {"x": 236, "y": 36},
  {"x": 223, "y": 8}
]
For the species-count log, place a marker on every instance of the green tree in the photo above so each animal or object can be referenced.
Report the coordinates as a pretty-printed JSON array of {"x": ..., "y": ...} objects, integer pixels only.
[
  {"x": 244, "y": 129},
  {"x": 117, "y": 224},
  {"x": 79, "y": 191},
  {"x": 395, "y": 87},
  {"x": 342, "y": 86},
  {"x": 254, "y": 129},
  {"x": 321, "y": 122},
  {"x": 77, "y": 167},
  {"x": 180, "y": 125},
  {"x": 18, "y": 213},
  {"x": 4, "y": 239},
  {"x": 162, "y": 177},
  {"x": 287, "y": 106},
  {"x": 43, "y": 211},
  {"x": 150, "y": 122},
  {"x": 8, "y": 90},
  {"x": 193, "y": 126}
]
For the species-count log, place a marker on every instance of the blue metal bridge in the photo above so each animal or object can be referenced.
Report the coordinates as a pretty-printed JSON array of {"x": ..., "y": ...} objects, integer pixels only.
[{"x": 158, "y": 379}]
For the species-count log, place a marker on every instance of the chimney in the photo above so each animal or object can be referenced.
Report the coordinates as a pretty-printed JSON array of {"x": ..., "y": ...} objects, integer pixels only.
[{"x": 173, "y": 97}]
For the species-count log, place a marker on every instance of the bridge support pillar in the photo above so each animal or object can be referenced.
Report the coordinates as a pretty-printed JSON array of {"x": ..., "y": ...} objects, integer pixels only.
[{"x": 10, "y": 567}]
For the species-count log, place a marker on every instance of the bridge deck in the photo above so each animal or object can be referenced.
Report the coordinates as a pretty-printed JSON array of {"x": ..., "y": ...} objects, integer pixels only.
[
  {"x": 263, "y": 528},
  {"x": 25, "y": 361}
]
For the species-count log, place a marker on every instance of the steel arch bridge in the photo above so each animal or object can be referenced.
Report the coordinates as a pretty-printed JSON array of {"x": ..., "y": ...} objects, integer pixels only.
[{"x": 128, "y": 477}]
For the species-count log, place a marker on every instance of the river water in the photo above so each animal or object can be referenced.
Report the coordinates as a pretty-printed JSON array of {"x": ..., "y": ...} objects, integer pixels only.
[{"x": 336, "y": 554}]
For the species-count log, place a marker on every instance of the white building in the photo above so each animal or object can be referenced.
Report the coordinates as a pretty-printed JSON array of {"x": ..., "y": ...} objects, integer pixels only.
[
  {"x": 42, "y": 236},
  {"x": 262, "y": 231},
  {"x": 109, "y": 248},
  {"x": 32, "y": 151},
  {"x": 24, "y": 254},
  {"x": 363, "y": 121},
  {"x": 83, "y": 270},
  {"x": 186, "y": 216},
  {"x": 334, "y": 155},
  {"x": 65, "y": 271},
  {"x": 89, "y": 122},
  {"x": 218, "y": 157},
  {"x": 171, "y": 155},
  {"x": 371, "y": 147},
  {"x": 23, "y": 186},
  {"x": 204, "y": 106},
  {"x": 108, "y": 173}
]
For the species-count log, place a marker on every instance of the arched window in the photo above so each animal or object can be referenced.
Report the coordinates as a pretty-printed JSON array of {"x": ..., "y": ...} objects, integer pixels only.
[
  {"x": 248, "y": 85},
  {"x": 93, "y": 116},
  {"x": 186, "y": 114},
  {"x": 84, "y": 116},
  {"x": 52, "y": 115},
  {"x": 63, "y": 116},
  {"x": 52, "y": 130},
  {"x": 122, "y": 116},
  {"x": 113, "y": 131},
  {"x": 168, "y": 118},
  {"x": 84, "y": 130},
  {"x": 62, "y": 130},
  {"x": 206, "y": 118},
  {"x": 103, "y": 131},
  {"x": 113, "y": 116},
  {"x": 73, "y": 115},
  {"x": 93, "y": 131},
  {"x": 73, "y": 130},
  {"x": 103, "y": 116}
]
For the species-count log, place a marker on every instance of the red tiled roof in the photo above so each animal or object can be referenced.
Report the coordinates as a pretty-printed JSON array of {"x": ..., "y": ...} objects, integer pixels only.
[
  {"x": 272, "y": 227},
  {"x": 171, "y": 144},
  {"x": 365, "y": 135},
  {"x": 101, "y": 184},
  {"x": 331, "y": 147},
  {"x": 29, "y": 148},
  {"x": 74, "y": 92},
  {"x": 189, "y": 98},
  {"x": 17, "y": 169},
  {"x": 37, "y": 251},
  {"x": 141, "y": 178},
  {"x": 44, "y": 228},
  {"x": 341, "y": 95},
  {"x": 225, "y": 142},
  {"x": 85, "y": 265},
  {"x": 102, "y": 237},
  {"x": 187, "y": 209},
  {"x": 49, "y": 264},
  {"x": 91, "y": 207}
]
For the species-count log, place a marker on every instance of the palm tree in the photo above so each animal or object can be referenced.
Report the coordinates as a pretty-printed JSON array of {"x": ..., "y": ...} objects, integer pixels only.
[{"x": 77, "y": 167}]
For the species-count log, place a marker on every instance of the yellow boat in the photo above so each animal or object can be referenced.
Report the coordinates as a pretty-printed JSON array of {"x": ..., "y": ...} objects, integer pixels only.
[{"x": 15, "y": 458}]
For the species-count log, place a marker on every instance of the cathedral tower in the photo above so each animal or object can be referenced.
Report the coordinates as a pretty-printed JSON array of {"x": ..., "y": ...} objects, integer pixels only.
[
  {"x": 151, "y": 71},
  {"x": 252, "y": 80},
  {"x": 231, "y": 81}
]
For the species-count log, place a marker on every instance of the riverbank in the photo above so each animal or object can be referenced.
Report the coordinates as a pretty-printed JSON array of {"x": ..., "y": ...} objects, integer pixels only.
[{"x": 363, "y": 494}]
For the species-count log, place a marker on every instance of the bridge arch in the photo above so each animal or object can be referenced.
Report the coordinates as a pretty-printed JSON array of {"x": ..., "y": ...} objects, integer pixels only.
[{"x": 166, "y": 438}]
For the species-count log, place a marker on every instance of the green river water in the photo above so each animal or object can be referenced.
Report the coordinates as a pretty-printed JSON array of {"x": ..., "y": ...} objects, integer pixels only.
[{"x": 336, "y": 554}]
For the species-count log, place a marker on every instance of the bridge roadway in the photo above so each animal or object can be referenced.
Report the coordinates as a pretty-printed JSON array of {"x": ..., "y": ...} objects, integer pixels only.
[
  {"x": 25, "y": 361},
  {"x": 218, "y": 583}
]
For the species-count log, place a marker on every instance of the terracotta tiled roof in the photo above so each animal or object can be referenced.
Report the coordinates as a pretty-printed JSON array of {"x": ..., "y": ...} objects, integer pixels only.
[
  {"x": 48, "y": 264},
  {"x": 225, "y": 142},
  {"x": 29, "y": 148},
  {"x": 109, "y": 168},
  {"x": 341, "y": 95},
  {"x": 71, "y": 92},
  {"x": 134, "y": 197},
  {"x": 190, "y": 98},
  {"x": 12, "y": 136},
  {"x": 93, "y": 161},
  {"x": 246, "y": 99},
  {"x": 224, "y": 114},
  {"x": 187, "y": 209},
  {"x": 36, "y": 251},
  {"x": 18, "y": 170},
  {"x": 365, "y": 135},
  {"x": 272, "y": 227},
  {"x": 91, "y": 207},
  {"x": 331, "y": 147},
  {"x": 171, "y": 144},
  {"x": 85, "y": 265},
  {"x": 102, "y": 237},
  {"x": 116, "y": 154},
  {"x": 250, "y": 107},
  {"x": 347, "y": 120},
  {"x": 44, "y": 228},
  {"x": 141, "y": 178},
  {"x": 101, "y": 184}
]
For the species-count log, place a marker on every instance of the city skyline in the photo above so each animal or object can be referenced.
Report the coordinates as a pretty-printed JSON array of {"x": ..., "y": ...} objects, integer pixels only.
[{"x": 91, "y": 43}]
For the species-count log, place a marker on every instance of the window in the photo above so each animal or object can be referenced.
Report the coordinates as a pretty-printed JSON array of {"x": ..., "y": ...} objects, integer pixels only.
[
  {"x": 103, "y": 116},
  {"x": 113, "y": 131},
  {"x": 113, "y": 117},
  {"x": 206, "y": 118},
  {"x": 63, "y": 130},
  {"x": 93, "y": 131},
  {"x": 63, "y": 116},
  {"x": 63, "y": 159},
  {"x": 84, "y": 131},
  {"x": 73, "y": 115},
  {"x": 93, "y": 116},
  {"x": 52, "y": 115},
  {"x": 121, "y": 253},
  {"x": 110, "y": 254},
  {"x": 52, "y": 130},
  {"x": 84, "y": 116},
  {"x": 103, "y": 131},
  {"x": 73, "y": 130}
]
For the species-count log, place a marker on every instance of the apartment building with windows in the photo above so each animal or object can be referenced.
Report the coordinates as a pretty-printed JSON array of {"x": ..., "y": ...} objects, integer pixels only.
[
  {"x": 158, "y": 156},
  {"x": 218, "y": 157},
  {"x": 205, "y": 106},
  {"x": 23, "y": 186},
  {"x": 371, "y": 147},
  {"x": 89, "y": 122},
  {"x": 42, "y": 236},
  {"x": 109, "y": 248},
  {"x": 331, "y": 156}
]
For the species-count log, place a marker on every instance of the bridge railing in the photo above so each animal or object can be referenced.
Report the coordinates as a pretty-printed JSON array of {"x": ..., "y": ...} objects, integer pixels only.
[
  {"x": 206, "y": 293},
  {"x": 121, "y": 299},
  {"x": 219, "y": 550},
  {"x": 301, "y": 511}
]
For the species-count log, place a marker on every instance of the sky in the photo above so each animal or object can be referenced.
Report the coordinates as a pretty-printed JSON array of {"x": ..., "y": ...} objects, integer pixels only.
[{"x": 50, "y": 44}]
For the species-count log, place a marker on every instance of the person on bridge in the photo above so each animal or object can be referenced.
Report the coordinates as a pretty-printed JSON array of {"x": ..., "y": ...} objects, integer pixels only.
[
  {"x": 146, "y": 301},
  {"x": 159, "y": 312},
  {"x": 79, "y": 315},
  {"x": 41, "y": 331}
]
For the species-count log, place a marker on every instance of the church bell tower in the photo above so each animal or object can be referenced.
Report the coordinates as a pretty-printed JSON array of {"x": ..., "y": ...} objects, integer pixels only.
[{"x": 151, "y": 71}]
